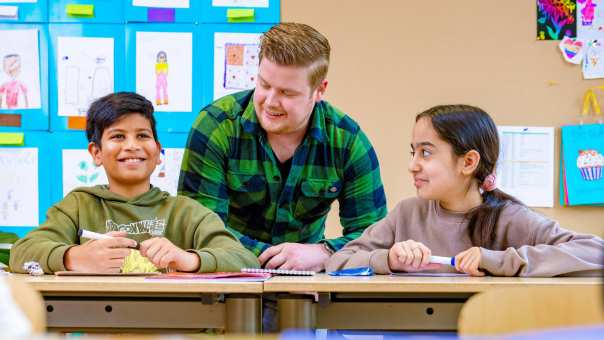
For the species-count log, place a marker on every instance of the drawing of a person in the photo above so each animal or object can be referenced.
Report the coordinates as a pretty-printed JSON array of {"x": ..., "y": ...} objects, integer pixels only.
[
  {"x": 161, "y": 78},
  {"x": 11, "y": 64}
]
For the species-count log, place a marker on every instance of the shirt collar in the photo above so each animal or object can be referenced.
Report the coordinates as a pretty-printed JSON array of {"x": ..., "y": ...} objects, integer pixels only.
[{"x": 250, "y": 124}]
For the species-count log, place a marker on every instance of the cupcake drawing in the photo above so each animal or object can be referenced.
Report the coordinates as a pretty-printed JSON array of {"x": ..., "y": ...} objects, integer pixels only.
[{"x": 590, "y": 163}]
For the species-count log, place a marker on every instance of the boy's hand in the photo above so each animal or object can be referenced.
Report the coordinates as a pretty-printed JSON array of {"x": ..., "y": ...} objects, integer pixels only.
[
  {"x": 410, "y": 256},
  {"x": 163, "y": 253},
  {"x": 99, "y": 256},
  {"x": 468, "y": 261}
]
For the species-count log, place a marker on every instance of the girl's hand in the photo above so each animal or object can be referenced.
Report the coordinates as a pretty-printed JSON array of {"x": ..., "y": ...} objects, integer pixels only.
[
  {"x": 410, "y": 256},
  {"x": 468, "y": 261},
  {"x": 163, "y": 253}
]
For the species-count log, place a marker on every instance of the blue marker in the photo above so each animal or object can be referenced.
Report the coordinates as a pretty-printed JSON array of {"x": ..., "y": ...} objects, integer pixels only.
[{"x": 443, "y": 260}]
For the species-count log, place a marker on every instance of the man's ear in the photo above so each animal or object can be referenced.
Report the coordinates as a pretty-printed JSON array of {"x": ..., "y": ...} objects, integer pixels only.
[
  {"x": 320, "y": 90},
  {"x": 471, "y": 160},
  {"x": 95, "y": 152}
]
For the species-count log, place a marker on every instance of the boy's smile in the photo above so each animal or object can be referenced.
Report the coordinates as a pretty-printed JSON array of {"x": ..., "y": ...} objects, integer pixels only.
[{"x": 129, "y": 154}]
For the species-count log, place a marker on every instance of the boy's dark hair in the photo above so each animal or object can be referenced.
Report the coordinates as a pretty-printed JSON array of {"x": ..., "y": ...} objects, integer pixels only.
[
  {"x": 107, "y": 110},
  {"x": 468, "y": 128}
]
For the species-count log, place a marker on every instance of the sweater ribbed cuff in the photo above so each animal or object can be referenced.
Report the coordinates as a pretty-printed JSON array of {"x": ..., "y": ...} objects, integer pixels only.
[
  {"x": 491, "y": 260},
  {"x": 378, "y": 261},
  {"x": 56, "y": 262},
  {"x": 207, "y": 261}
]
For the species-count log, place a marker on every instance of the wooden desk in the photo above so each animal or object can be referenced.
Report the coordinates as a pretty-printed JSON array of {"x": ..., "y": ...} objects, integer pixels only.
[
  {"x": 389, "y": 302},
  {"x": 112, "y": 303}
]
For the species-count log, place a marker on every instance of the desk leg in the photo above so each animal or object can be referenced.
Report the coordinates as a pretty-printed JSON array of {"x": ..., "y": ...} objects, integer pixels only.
[
  {"x": 296, "y": 312},
  {"x": 243, "y": 314}
]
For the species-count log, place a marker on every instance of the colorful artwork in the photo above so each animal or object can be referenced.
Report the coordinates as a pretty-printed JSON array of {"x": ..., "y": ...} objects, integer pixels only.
[
  {"x": 20, "y": 72},
  {"x": 593, "y": 63},
  {"x": 79, "y": 170},
  {"x": 19, "y": 187},
  {"x": 590, "y": 20},
  {"x": 590, "y": 163},
  {"x": 573, "y": 50},
  {"x": 161, "y": 78},
  {"x": 556, "y": 19},
  {"x": 241, "y": 66},
  {"x": 235, "y": 62}
]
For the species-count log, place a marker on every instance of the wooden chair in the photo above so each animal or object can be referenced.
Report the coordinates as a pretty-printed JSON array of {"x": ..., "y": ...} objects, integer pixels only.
[
  {"x": 31, "y": 303},
  {"x": 509, "y": 310}
]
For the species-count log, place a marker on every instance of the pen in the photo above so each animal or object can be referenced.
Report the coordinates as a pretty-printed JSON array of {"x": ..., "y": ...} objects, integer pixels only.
[
  {"x": 443, "y": 260},
  {"x": 96, "y": 236}
]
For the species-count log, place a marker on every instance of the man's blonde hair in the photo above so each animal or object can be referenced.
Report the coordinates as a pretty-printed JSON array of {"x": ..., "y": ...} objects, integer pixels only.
[{"x": 294, "y": 44}]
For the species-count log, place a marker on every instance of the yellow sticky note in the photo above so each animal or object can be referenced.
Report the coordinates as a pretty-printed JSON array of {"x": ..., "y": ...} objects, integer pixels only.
[
  {"x": 12, "y": 138},
  {"x": 240, "y": 15},
  {"x": 79, "y": 10}
]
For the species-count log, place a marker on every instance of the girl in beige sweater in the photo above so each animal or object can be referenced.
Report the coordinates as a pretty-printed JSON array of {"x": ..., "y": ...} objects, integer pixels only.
[{"x": 459, "y": 212}]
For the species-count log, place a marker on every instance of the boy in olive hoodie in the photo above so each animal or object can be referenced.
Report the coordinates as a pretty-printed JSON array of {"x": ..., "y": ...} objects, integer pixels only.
[{"x": 173, "y": 231}]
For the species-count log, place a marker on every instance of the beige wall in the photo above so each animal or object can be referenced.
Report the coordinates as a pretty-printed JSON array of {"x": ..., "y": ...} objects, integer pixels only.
[{"x": 394, "y": 58}]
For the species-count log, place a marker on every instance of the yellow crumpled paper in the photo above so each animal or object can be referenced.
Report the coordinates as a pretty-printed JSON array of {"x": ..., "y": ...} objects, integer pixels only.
[{"x": 137, "y": 263}]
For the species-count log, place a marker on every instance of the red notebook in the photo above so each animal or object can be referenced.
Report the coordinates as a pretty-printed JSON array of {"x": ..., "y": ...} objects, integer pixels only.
[{"x": 222, "y": 276}]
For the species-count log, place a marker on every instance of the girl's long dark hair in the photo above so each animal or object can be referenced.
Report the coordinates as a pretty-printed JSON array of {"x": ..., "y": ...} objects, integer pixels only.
[{"x": 468, "y": 128}]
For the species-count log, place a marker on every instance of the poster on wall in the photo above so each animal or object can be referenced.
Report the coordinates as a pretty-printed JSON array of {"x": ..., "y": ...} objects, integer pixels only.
[
  {"x": 85, "y": 72},
  {"x": 19, "y": 187},
  {"x": 20, "y": 72},
  {"x": 590, "y": 20},
  {"x": 556, "y": 19},
  {"x": 235, "y": 62},
  {"x": 164, "y": 69}
]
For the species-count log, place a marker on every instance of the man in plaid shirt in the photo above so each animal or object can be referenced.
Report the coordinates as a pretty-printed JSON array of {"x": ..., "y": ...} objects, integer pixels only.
[{"x": 271, "y": 161}]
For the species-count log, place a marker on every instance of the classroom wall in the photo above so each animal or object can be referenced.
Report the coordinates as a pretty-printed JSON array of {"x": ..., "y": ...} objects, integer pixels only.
[{"x": 392, "y": 59}]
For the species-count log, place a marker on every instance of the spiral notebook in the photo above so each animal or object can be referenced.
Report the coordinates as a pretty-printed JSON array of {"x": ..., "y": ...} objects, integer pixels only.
[{"x": 279, "y": 271}]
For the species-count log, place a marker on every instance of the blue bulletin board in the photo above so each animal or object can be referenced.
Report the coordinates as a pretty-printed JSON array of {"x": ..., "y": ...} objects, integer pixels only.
[
  {"x": 32, "y": 12},
  {"x": 177, "y": 113},
  {"x": 71, "y": 150},
  {"x": 88, "y": 87},
  {"x": 86, "y": 11},
  {"x": 9, "y": 204},
  {"x": 163, "y": 14},
  {"x": 214, "y": 65},
  {"x": 17, "y": 119},
  {"x": 240, "y": 12}
]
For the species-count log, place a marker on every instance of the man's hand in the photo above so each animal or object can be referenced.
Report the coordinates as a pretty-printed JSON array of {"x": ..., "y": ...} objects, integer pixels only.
[
  {"x": 295, "y": 256},
  {"x": 99, "y": 256},
  {"x": 410, "y": 256},
  {"x": 468, "y": 261},
  {"x": 163, "y": 253}
]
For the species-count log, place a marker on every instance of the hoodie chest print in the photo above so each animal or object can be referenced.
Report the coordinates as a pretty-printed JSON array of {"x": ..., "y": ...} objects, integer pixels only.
[{"x": 154, "y": 227}]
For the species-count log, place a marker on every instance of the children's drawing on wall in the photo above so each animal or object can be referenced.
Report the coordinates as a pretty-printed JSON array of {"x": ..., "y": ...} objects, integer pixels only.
[
  {"x": 161, "y": 3},
  {"x": 590, "y": 163},
  {"x": 79, "y": 170},
  {"x": 170, "y": 88},
  {"x": 556, "y": 19},
  {"x": 19, "y": 187},
  {"x": 20, "y": 73},
  {"x": 166, "y": 174},
  {"x": 590, "y": 20},
  {"x": 235, "y": 62},
  {"x": 161, "y": 79},
  {"x": 593, "y": 63},
  {"x": 240, "y": 3},
  {"x": 85, "y": 72}
]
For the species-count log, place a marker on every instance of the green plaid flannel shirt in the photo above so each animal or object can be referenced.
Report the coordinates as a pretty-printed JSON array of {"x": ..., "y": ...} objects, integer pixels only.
[{"x": 229, "y": 167}]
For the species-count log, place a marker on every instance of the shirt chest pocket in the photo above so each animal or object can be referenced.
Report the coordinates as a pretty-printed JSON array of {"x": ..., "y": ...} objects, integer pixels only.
[
  {"x": 316, "y": 196},
  {"x": 246, "y": 190}
]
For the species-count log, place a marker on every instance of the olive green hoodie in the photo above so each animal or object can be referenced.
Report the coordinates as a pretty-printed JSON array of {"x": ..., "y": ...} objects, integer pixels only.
[{"x": 183, "y": 221}]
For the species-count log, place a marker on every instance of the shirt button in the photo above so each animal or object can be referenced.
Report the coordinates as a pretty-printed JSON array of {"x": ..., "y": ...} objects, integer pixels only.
[{"x": 333, "y": 189}]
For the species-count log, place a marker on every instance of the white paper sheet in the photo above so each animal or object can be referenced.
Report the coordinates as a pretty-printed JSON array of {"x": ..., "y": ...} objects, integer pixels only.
[
  {"x": 525, "y": 168},
  {"x": 590, "y": 20},
  {"x": 85, "y": 72},
  {"x": 593, "y": 62},
  {"x": 9, "y": 11},
  {"x": 19, "y": 187},
  {"x": 161, "y": 3},
  {"x": 168, "y": 85},
  {"x": 235, "y": 62},
  {"x": 79, "y": 170},
  {"x": 240, "y": 3},
  {"x": 20, "y": 69}
]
